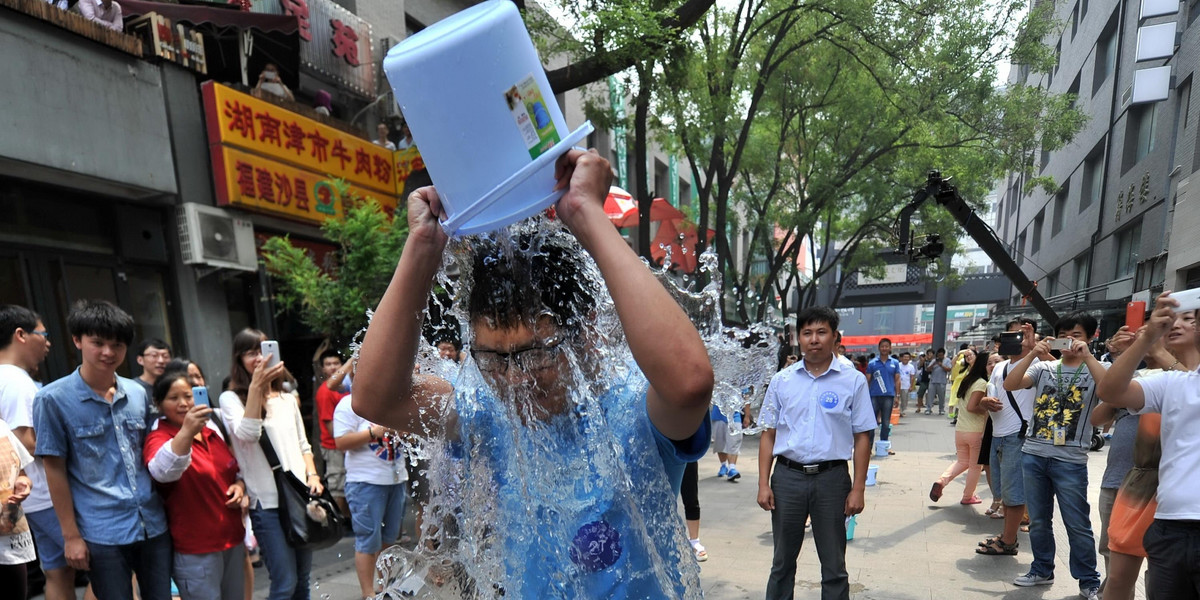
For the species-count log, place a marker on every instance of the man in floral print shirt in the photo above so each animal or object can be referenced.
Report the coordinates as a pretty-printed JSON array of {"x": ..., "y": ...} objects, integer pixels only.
[{"x": 1055, "y": 451}]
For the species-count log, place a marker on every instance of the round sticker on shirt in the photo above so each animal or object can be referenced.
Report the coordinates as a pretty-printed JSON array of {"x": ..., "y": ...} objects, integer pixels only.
[
  {"x": 829, "y": 400},
  {"x": 597, "y": 546}
]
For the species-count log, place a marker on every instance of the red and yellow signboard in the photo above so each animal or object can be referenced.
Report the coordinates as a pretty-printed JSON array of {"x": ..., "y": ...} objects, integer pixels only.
[
  {"x": 260, "y": 184},
  {"x": 253, "y": 142}
]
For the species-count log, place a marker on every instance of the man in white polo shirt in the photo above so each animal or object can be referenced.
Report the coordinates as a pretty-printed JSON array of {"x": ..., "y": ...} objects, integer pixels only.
[
  {"x": 1173, "y": 541},
  {"x": 817, "y": 415}
]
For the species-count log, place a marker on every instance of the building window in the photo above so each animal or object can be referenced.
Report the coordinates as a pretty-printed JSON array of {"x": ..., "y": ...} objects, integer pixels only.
[
  {"x": 1139, "y": 133},
  {"x": 1083, "y": 267},
  {"x": 1128, "y": 246},
  {"x": 1106, "y": 53},
  {"x": 1051, "y": 284},
  {"x": 1185, "y": 103},
  {"x": 1093, "y": 177},
  {"x": 1060, "y": 204},
  {"x": 1020, "y": 248},
  {"x": 1083, "y": 6},
  {"x": 883, "y": 319},
  {"x": 1074, "y": 21},
  {"x": 1036, "y": 243}
]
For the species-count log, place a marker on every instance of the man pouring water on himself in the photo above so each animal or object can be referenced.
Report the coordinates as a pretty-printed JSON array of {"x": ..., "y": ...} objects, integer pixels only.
[
  {"x": 568, "y": 466},
  {"x": 883, "y": 379}
]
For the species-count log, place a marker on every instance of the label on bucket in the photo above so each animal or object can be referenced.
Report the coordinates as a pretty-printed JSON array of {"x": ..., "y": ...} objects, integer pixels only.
[{"x": 528, "y": 109}]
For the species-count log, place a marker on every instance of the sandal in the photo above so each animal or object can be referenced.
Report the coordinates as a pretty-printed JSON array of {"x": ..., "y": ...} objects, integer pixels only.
[
  {"x": 993, "y": 508},
  {"x": 998, "y": 548},
  {"x": 935, "y": 492},
  {"x": 998, "y": 514},
  {"x": 971, "y": 500},
  {"x": 989, "y": 541}
]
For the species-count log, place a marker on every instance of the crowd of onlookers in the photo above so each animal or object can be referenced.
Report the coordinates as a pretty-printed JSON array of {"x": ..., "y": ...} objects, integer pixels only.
[{"x": 147, "y": 483}]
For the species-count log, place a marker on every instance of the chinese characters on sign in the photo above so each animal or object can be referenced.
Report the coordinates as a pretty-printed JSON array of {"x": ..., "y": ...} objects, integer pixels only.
[
  {"x": 335, "y": 42},
  {"x": 270, "y": 159}
]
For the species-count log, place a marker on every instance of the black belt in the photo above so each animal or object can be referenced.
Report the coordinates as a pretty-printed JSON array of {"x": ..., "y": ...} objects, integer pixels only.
[{"x": 810, "y": 469}]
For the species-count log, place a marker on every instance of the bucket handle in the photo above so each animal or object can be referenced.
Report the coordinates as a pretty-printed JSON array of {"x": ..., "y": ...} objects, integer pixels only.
[{"x": 456, "y": 222}]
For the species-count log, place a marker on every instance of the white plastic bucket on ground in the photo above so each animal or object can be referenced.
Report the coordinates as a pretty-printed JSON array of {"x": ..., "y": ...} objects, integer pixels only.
[
  {"x": 872, "y": 472},
  {"x": 882, "y": 447},
  {"x": 475, "y": 96}
]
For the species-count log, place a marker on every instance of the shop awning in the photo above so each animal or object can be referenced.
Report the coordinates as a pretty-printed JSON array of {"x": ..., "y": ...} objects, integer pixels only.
[
  {"x": 276, "y": 38},
  {"x": 871, "y": 341}
]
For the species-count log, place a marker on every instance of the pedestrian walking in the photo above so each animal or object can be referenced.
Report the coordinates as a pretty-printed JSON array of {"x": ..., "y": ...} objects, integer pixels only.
[
  {"x": 968, "y": 432},
  {"x": 939, "y": 371}
]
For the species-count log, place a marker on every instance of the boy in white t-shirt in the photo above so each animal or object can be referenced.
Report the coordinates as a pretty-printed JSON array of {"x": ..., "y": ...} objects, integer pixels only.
[
  {"x": 1173, "y": 541},
  {"x": 375, "y": 487},
  {"x": 908, "y": 376}
]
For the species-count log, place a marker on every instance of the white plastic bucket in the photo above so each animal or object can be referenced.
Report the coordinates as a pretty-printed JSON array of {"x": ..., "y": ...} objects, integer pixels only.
[
  {"x": 882, "y": 447},
  {"x": 872, "y": 472},
  {"x": 475, "y": 96}
]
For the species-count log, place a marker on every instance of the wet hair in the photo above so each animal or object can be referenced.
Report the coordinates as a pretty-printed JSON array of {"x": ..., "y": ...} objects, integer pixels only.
[
  {"x": 1078, "y": 318},
  {"x": 12, "y": 318},
  {"x": 818, "y": 314},
  {"x": 155, "y": 343},
  {"x": 102, "y": 319},
  {"x": 532, "y": 274},
  {"x": 978, "y": 371},
  {"x": 162, "y": 387},
  {"x": 331, "y": 353}
]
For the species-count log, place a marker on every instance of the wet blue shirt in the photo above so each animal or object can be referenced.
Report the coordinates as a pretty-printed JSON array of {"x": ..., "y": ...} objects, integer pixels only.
[
  {"x": 602, "y": 522},
  {"x": 883, "y": 376},
  {"x": 101, "y": 444}
]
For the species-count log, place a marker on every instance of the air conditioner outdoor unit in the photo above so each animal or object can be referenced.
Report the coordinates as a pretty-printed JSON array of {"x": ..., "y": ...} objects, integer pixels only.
[{"x": 212, "y": 236}]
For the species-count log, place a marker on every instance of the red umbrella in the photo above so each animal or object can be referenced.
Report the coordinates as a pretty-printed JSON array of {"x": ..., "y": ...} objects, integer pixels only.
[
  {"x": 681, "y": 238},
  {"x": 622, "y": 209}
]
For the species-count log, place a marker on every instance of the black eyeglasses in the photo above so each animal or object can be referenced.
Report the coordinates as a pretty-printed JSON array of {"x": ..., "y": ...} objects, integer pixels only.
[
  {"x": 533, "y": 358},
  {"x": 45, "y": 334}
]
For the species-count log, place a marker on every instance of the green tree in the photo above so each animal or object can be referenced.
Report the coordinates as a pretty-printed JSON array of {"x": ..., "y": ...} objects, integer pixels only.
[
  {"x": 821, "y": 118},
  {"x": 333, "y": 299}
]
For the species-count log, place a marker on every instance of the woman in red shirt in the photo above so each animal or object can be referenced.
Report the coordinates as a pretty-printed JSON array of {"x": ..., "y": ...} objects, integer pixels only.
[{"x": 199, "y": 481}]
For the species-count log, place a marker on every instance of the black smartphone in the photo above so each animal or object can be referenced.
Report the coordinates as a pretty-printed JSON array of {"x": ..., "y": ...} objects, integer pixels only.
[{"x": 1010, "y": 343}]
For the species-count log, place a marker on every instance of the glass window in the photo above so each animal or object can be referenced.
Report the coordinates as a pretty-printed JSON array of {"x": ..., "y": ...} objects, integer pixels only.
[
  {"x": 1093, "y": 178},
  {"x": 1060, "y": 203},
  {"x": 1106, "y": 54},
  {"x": 148, "y": 306},
  {"x": 1129, "y": 242},
  {"x": 1082, "y": 271},
  {"x": 1036, "y": 244}
]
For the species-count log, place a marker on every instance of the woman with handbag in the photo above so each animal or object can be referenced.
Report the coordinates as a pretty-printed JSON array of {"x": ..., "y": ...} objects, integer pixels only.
[
  {"x": 197, "y": 476},
  {"x": 261, "y": 417}
]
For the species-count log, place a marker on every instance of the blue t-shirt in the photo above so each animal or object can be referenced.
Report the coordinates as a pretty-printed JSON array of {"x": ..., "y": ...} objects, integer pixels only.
[
  {"x": 602, "y": 522},
  {"x": 101, "y": 445},
  {"x": 883, "y": 376}
]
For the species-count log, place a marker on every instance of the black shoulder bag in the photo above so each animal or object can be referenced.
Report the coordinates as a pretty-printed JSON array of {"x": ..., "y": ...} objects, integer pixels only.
[
  {"x": 1013, "y": 402},
  {"x": 309, "y": 522}
]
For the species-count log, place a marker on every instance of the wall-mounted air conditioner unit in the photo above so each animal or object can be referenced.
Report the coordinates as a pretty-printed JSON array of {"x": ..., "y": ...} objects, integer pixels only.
[{"x": 212, "y": 236}]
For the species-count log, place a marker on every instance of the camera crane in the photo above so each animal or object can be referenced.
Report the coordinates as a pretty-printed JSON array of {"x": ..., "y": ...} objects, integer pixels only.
[{"x": 940, "y": 190}]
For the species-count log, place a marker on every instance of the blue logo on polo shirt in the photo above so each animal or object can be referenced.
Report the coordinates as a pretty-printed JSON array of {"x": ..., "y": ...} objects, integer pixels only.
[{"x": 828, "y": 399}]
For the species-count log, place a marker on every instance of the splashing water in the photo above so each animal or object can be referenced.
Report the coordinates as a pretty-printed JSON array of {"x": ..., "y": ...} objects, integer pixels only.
[{"x": 551, "y": 486}]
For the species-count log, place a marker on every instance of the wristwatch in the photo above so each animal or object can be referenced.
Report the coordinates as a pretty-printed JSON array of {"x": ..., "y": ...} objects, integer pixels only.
[{"x": 311, "y": 474}]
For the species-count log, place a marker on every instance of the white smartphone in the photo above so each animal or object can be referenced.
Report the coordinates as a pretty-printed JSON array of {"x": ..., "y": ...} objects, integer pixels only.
[
  {"x": 271, "y": 348},
  {"x": 1062, "y": 343},
  {"x": 1188, "y": 299}
]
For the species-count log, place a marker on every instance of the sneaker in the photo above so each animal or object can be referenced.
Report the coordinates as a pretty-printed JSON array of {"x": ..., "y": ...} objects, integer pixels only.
[
  {"x": 701, "y": 552},
  {"x": 1030, "y": 580},
  {"x": 928, "y": 412},
  {"x": 724, "y": 471},
  {"x": 1090, "y": 594},
  {"x": 733, "y": 474}
]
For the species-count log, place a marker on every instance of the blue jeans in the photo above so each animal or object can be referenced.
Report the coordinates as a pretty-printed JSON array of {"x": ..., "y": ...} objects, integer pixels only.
[
  {"x": 112, "y": 569},
  {"x": 376, "y": 512},
  {"x": 882, "y": 405},
  {"x": 1045, "y": 479},
  {"x": 1006, "y": 461},
  {"x": 288, "y": 567}
]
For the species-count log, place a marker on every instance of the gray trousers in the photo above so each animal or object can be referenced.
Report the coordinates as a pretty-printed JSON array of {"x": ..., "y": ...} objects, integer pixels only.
[
  {"x": 212, "y": 576},
  {"x": 937, "y": 391},
  {"x": 798, "y": 496}
]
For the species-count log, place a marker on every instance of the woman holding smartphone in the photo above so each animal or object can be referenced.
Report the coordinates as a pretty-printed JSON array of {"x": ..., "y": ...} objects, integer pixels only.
[
  {"x": 253, "y": 406},
  {"x": 202, "y": 490}
]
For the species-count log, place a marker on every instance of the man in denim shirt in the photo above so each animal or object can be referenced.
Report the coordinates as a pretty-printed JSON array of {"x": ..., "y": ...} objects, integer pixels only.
[{"x": 91, "y": 425}]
